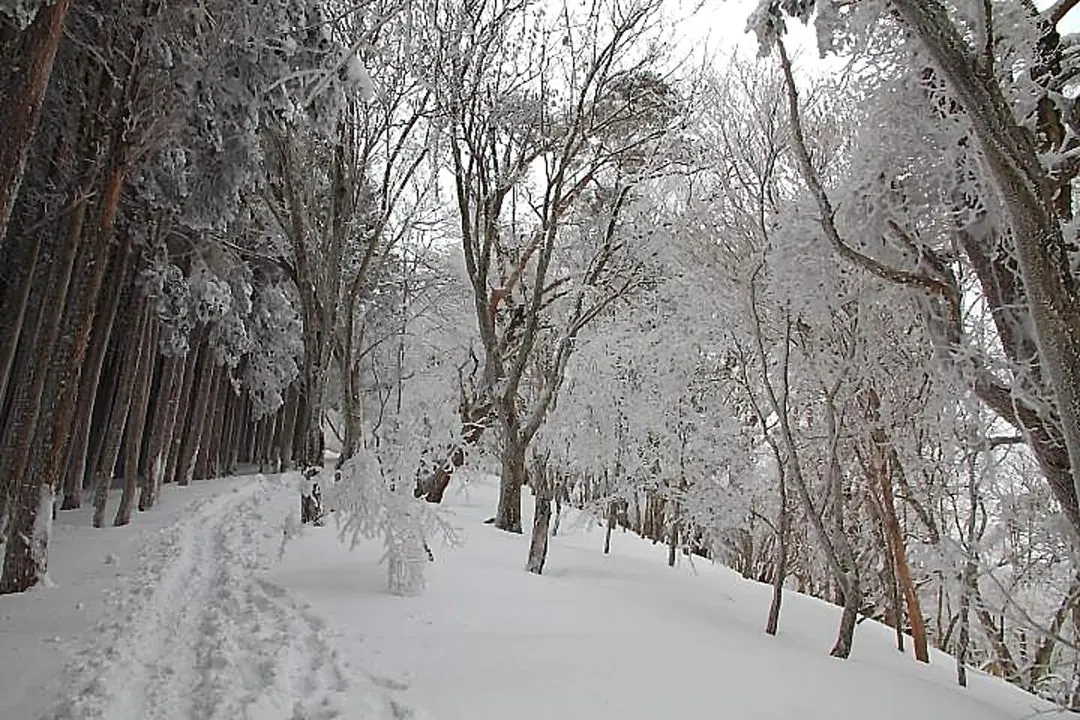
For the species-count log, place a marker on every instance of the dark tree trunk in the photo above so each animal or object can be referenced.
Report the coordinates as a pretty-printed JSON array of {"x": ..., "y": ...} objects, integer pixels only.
[
  {"x": 475, "y": 422},
  {"x": 193, "y": 433},
  {"x": 23, "y": 538},
  {"x": 25, "y": 81},
  {"x": 13, "y": 414},
  {"x": 849, "y": 617},
  {"x": 298, "y": 428},
  {"x": 258, "y": 443},
  {"x": 153, "y": 403},
  {"x": 21, "y": 262},
  {"x": 772, "y": 624},
  {"x": 237, "y": 414},
  {"x": 538, "y": 545},
  {"x": 205, "y": 466},
  {"x": 275, "y": 456},
  {"x": 121, "y": 404},
  {"x": 136, "y": 420},
  {"x": 164, "y": 418},
  {"x": 193, "y": 363},
  {"x": 610, "y": 527},
  {"x": 673, "y": 536},
  {"x": 273, "y": 429},
  {"x": 508, "y": 516},
  {"x": 91, "y": 373}
]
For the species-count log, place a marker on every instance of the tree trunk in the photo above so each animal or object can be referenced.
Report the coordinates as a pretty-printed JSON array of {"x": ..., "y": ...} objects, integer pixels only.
[
  {"x": 205, "y": 376},
  {"x": 161, "y": 429},
  {"x": 210, "y": 432},
  {"x": 1024, "y": 190},
  {"x": 508, "y": 516},
  {"x": 15, "y": 300},
  {"x": 673, "y": 534},
  {"x": 114, "y": 428},
  {"x": 310, "y": 421},
  {"x": 288, "y": 431},
  {"x": 849, "y": 617},
  {"x": 136, "y": 420},
  {"x": 25, "y": 83},
  {"x": 538, "y": 545},
  {"x": 19, "y": 529},
  {"x": 903, "y": 573},
  {"x": 90, "y": 375},
  {"x": 772, "y": 624},
  {"x": 610, "y": 527},
  {"x": 192, "y": 365}
]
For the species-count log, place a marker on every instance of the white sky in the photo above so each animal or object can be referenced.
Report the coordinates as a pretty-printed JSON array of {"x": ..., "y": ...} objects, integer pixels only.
[{"x": 720, "y": 26}]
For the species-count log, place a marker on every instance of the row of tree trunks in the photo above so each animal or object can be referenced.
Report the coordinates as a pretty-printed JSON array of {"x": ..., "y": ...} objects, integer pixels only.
[
  {"x": 25, "y": 493},
  {"x": 98, "y": 396}
]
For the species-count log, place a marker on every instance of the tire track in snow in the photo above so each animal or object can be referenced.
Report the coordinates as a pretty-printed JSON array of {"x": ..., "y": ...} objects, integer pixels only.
[{"x": 192, "y": 633}]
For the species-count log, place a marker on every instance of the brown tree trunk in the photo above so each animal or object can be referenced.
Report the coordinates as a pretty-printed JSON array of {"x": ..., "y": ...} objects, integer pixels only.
[
  {"x": 90, "y": 374},
  {"x": 25, "y": 83},
  {"x": 136, "y": 419},
  {"x": 25, "y": 533},
  {"x": 508, "y": 516},
  {"x": 161, "y": 428},
  {"x": 15, "y": 300},
  {"x": 772, "y": 624},
  {"x": 298, "y": 428},
  {"x": 903, "y": 573},
  {"x": 202, "y": 385},
  {"x": 113, "y": 432},
  {"x": 538, "y": 545},
  {"x": 210, "y": 432},
  {"x": 884, "y": 462},
  {"x": 13, "y": 415},
  {"x": 610, "y": 527},
  {"x": 182, "y": 422},
  {"x": 236, "y": 410}
]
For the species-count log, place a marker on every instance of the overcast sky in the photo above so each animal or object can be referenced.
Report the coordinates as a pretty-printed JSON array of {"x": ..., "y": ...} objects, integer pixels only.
[{"x": 721, "y": 24}]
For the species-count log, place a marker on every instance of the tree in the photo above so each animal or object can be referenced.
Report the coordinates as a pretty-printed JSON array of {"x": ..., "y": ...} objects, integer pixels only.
[
  {"x": 28, "y": 51},
  {"x": 515, "y": 112},
  {"x": 993, "y": 154}
]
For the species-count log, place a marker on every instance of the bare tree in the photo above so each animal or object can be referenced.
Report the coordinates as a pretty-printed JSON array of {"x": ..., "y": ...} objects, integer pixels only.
[{"x": 541, "y": 151}]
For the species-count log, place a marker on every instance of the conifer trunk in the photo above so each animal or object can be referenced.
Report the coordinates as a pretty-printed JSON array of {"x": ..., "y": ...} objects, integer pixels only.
[
  {"x": 193, "y": 432},
  {"x": 132, "y": 330},
  {"x": 20, "y": 535},
  {"x": 136, "y": 420},
  {"x": 24, "y": 85},
  {"x": 106, "y": 277},
  {"x": 21, "y": 262},
  {"x": 182, "y": 421},
  {"x": 161, "y": 429}
]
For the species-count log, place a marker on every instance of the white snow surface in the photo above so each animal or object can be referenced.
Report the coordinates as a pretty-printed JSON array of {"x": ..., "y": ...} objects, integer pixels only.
[{"x": 190, "y": 613}]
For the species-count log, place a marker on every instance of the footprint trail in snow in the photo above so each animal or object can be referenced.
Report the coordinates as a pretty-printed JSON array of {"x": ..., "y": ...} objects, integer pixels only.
[{"x": 193, "y": 632}]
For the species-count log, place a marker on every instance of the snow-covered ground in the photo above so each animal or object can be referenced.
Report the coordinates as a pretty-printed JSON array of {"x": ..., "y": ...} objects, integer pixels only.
[{"x": 190, "y": 614}]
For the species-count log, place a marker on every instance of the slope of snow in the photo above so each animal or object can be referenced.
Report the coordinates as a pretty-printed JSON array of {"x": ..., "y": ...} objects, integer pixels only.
[
  {"x": 621, "y": 636},
  {"x": 189, "y": 613}
]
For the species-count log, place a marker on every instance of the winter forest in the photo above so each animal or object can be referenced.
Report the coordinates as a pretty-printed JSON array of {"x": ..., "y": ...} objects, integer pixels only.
[{"x": 810, "y": 313}]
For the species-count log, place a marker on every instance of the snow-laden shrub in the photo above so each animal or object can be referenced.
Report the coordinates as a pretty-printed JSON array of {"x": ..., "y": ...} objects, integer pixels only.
[{"x": 371, "y": 498}]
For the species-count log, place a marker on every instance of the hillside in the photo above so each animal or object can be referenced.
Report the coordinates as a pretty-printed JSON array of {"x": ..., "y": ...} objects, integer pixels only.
[{"x": 195, "y": 616}]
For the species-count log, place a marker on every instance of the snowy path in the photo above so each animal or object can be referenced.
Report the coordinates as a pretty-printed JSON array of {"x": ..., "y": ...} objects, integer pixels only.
[{"x": 192, "y": 632}]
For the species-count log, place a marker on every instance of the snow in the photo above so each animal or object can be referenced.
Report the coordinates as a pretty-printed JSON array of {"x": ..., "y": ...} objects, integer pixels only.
[{"x": 196, "y": 616}]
